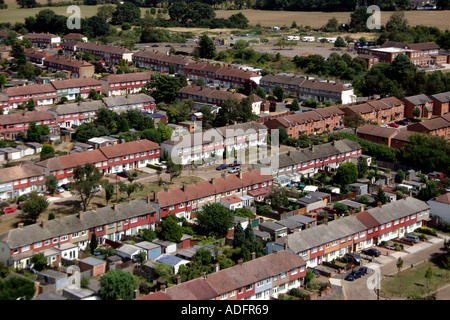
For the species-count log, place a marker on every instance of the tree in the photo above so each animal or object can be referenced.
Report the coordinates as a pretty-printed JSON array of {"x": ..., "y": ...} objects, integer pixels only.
[
  {"x": 16, "y": 288},
  {"x": 416, "y": 112},
  {"x": 109, "y": 192},
  {"x": 117, "y": 284},
  {"x": 126, "y": 12},
  {"x": 51, "y": 182},
  {"x": 47, "y": 152},
  {"x": 206, "y": 47},
  {"x": 105, "y": 12},
  {"x": 27, "y": 3},
  {"x": 346, "y": 173},
  {"x": 86, "y": 179},
  {"x": 215, "y": 218},
  {"x": 278, "y": 92},
  {"x": 39, "y": 261},
  {"x": 30, "y": 105},
  {"x": 34, "y": 206},
  {"x": 399, "y": 176},
  {"x": 294, "y": 105},
  {"x": 399, "y": 264},
  {"x": 354, "y": 121},
  {"x": 239, "y": 236},
  {"x": 362, "y": 167},
  {"x": 340, "y": 207},
  {"x": 428, "y": 276},
  {"x": 129, "y": 188},
  {"x": 165, "y": 131},
  {"x": 171, "y": 230},
  {"x": 340, "y": 42},
  {"x": 163, "y": 88},
  {"x": 431, "y": 190},
  {"x": 277, "y": 198},
  {"x": 203, "y": 256},
  {"x": 93, "y": 244},
  {"x": 380, "y": 196},
  {"x": 174, "y": 168}
]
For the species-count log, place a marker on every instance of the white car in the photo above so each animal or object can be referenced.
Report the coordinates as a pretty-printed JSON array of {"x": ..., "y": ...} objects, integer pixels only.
[
  {"x": 234, "y": 170},
  {"x": 162, "y": 165}
]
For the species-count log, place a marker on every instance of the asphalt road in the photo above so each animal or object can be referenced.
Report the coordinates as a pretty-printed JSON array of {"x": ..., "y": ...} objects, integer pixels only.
[{"x": 363, "y": 288}]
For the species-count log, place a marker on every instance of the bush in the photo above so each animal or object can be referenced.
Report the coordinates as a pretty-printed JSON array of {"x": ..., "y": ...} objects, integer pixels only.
[
  {"x": 426, "y": 230},
  {"x": 443, "y": 226},
  {"x": 298, "y": 293}
]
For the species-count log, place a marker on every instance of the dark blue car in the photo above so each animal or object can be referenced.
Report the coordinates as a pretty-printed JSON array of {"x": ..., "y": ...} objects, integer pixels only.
[
  {"x": 355, "y": 274},
  {"x": 222, "y": 167}
]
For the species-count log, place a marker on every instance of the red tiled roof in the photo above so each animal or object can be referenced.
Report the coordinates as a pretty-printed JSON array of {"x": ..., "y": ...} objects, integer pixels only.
[
  {"x": 126, "y": 77},
  {"x": 73, "y": 160},
  {"x": 26, "y": 117},
  {"x": 31, "y": 89},
  {"x": 20, "y": 172},
  {"x": 443, "y": 198},
  {"x": 66, "y": 61},
  {"x": 73, "y": 83},
  {"x": 367, "y": 219}
]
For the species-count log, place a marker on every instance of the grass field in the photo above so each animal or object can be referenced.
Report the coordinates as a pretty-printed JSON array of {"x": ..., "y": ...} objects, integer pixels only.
[
  {"x": 264, "y": 17},
  {"x": 412, "y": 281}
]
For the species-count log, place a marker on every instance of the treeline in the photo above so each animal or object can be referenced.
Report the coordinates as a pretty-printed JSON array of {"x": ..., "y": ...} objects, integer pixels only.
[
  {"x": 400, "y": 78},
  {"x": 425, "y": 152},
  {"x": 336, "y": 65}
]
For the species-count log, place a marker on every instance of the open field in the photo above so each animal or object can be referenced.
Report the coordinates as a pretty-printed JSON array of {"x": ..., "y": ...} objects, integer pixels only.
[
  {"x": 318, "y": 19},
  {"x": 266, "y": 18}
]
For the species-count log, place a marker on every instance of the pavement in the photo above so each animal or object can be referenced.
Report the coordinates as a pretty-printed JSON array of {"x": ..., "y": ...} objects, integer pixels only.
[{"x": 384, "y": 266}]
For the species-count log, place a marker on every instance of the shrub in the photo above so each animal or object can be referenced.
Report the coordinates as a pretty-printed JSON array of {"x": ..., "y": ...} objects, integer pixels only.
[
  {"x": 426, "y": 230},
  {"x": 298, "y": 293}
]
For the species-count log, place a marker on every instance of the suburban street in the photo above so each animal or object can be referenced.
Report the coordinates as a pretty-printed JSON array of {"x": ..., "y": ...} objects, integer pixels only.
[{"x": 362, "y": 289}]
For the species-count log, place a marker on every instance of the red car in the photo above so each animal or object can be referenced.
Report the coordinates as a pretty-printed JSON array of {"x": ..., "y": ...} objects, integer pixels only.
[
  {"x": 9, "y": 209},
  {"x": 393, "y": 124}
]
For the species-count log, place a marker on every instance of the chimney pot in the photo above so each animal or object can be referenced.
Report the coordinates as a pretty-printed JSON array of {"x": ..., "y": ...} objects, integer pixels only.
[
  {"x": 203, "y": 275},
  {"x": 253, "y": 254},
  {"x": 163, "y": 288},
  {"x": 274, "y": 250},
  {"x": 115, "y": 206},
  {"x": 217, "y": 267},
  {"x": 240, "y": 262}
]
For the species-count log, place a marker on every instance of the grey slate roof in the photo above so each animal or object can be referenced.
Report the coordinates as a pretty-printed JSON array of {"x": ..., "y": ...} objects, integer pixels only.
[
  {"x": 442, "y": 97},
  {"x": 69, "y": 108},
  {"x": 419, "y": 99},
  {"x": 398, "y": 209},
  {"x": 70, "y": 224},
  {"x": 319, "y": 151},
  {"x": 125, "y": 100}
]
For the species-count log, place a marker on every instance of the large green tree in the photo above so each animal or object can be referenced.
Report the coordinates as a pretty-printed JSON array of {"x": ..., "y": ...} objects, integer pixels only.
[
  {"x": 86, "y": 179},
  {"x": 16, "y": 288},
  {"x": 34, "y": 206},
  {"x": 171, "y": 230},
  {"x": 117, "y": 284},
  {"x": 346, "y": 173},
  {"x": 215, "y": 218},
  {"x": 206, "y": 47}
]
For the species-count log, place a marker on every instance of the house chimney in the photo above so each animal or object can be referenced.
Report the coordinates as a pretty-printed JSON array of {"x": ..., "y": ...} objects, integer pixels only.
[
  {"x": 178, "y": 279},
  {"x": 325, "y": 220},
  {"x": 184, "y": 187},
  {"x": 155, "y": 196},
  {"x": 20, "y": 225},
  {"x": 274, "y": 250},
  {"x": 240, "y": 262},
  {"x": 213, "y": 181},
  {"x": 217, "y": 267},
  {"x": 94, "y": 207},
  {"x": 163, "y": 288},
  {"x": 286, "y": 246},
  {"x": 136, "y": 293},
  {"x": 223, "y": 175},
  {"x": 166, "y": 189},
  {"x": 148, "y": 199},
  {"x": 203, "y": 275},
  {"x": 43, "y": 224},
  {"x": 379, "y": 204},
  {"x": 128, "y": 200},
  {"x": 253, "y": 255},
  {"x": 115, "y": 206},
  {"x": 80, "y": 215},
  {"x": 240, "y": 175}
]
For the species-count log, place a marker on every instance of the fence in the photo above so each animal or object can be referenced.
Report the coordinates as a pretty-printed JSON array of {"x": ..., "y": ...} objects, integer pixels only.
[
  {"x": 339, "y": 197},
  {"x": 392, "y": 166}
]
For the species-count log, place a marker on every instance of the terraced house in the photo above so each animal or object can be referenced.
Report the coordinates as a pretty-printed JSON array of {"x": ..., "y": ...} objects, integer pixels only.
[
  {"x": 108, "y": 53},
  {"x": 355, "y": 233},
  {"x": 308, "y": 161},
  {"x": 201, "y": 95},
  {"x": 14, "y": 123},
  {"x": 298, "y": 124},
  {"x": 70, "y": 115},
  {"x": 379, "y": 111},
  {"x": 203, "y": 146},
  {"x": 110, "y": 159},
  {"x": 42, "y": 94},
  {"x": 43, "y": 40},
  {"x": 64, "y": 237},
  {"x": 138, "y": 101},
  {"x": 258, "y": 279},
  {"x": 76, "y": 88},
  {"x": 187, "y": 200},
  {"x": 75, "y": 68},
  {"x": 160, "y": 62},
  {"x": 21, "y": 179},
  {"x": 123, "y": 84}
]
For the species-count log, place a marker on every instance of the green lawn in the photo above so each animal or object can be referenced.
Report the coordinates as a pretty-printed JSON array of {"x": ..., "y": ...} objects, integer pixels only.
[{"x": 412, "y": 280}]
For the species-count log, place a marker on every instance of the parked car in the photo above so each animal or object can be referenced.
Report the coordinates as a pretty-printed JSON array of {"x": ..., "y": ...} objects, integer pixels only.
[
  {"x": 402, "y": 122},
  {"x": 222, "y": 167},
  {"x": 154, "y": 45},
  {"x": 66, "y": 187},
  {"x": 8, "y": 210},
  {"x": 353, "y": 257},
  {"x": 234, "y": 170},
  {"x": 162, "y": 165},
  {"x": 234, "y": 164},
  {"x": 372, "y": 252},
  {"x": 393, "y": 124},
  {"x": 316, "y": 272},
  {"x": 124, "y": 174},
  {"x": 411, "y": 238},
  {"x": 355, "y": 274},
  {"x": 363, "y": 270},
  {"x": 60, "y": 189}
]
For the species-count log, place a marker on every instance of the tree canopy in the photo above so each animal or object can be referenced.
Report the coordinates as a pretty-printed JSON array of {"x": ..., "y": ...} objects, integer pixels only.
[{"x": 215, "y": 218}]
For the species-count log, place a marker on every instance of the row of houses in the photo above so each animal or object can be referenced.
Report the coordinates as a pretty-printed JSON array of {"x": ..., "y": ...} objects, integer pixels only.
[
  {"x": 26, "y": 177},
  {"x": 204, "y": 146},
  {"x": 69, "y": 115},
  {"x": 436, "y": 104},
  {"x": 306, "y": 88},
  {"x": 379, "y": 111},
  {"x": 357, "y": 232}
]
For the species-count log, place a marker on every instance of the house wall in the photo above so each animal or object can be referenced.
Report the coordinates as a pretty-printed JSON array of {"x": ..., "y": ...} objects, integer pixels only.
[{"x": 440, "y": 209}]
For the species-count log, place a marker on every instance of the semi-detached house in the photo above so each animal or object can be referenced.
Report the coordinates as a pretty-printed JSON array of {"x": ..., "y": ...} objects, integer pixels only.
[
  {"x": 355, "y": 233},
  {"x": 111, "y": 159},
  {"x": 64, "y": 237}
]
